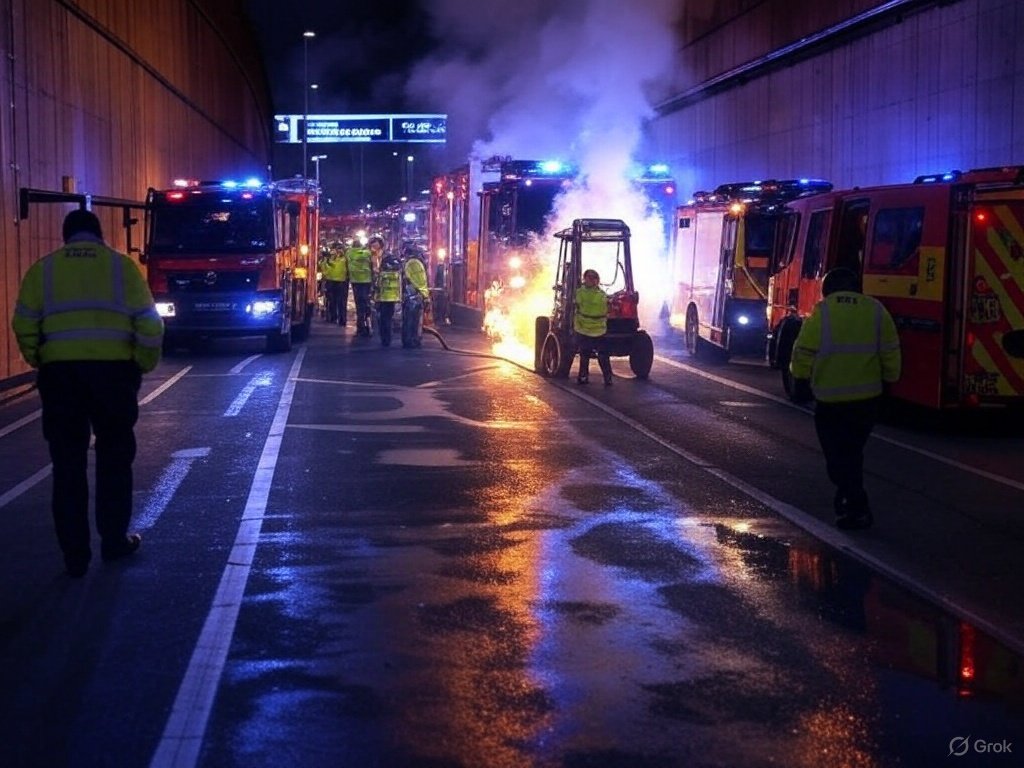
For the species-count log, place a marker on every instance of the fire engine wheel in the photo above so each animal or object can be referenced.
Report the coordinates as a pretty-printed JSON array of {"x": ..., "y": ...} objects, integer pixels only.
[
  {"x": 540, "y": 333},
  {"x": 692, "y": 332},
  {"x": 279, "y": 342},
  {"x": 556, "y": 358},
  {"x": 641, "y": 356}
]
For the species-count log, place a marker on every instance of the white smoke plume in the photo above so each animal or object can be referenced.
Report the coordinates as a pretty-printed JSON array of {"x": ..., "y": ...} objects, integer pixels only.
[{"x": 566, "y": 80}]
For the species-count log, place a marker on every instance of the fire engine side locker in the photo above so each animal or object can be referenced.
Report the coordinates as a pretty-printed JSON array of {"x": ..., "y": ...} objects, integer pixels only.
[
  {"x": 906, "y": 255},
  {"x": 992, "y": 363}
]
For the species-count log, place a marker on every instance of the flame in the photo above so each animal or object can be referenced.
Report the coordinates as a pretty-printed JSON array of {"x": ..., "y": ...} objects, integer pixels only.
[{"x": 510, "y": 313}]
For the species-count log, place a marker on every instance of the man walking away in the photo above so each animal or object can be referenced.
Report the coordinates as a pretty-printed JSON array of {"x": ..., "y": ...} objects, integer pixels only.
[
  {"x": 86, "y": 319},
  {"x": 847, "y": 351}
]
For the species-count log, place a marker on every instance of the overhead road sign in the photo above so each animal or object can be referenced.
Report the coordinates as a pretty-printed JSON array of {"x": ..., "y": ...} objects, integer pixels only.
[{"x": 378, "y": 129}]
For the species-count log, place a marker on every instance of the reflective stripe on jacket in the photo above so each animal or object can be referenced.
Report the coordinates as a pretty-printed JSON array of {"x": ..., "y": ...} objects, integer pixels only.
[
  {"x": 591, "y": 315},
  {"x": 389, "y": 285},
  {"x": 360, "y": 268},
  {"x": 847, "y": 348},
  {"x": 85, "y": 301}
]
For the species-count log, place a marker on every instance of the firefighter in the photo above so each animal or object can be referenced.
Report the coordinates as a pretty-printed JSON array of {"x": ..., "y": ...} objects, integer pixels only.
[
  {"x": 360, "y": 275},
  {"x": 415, "y": 301},
  {"x": 335, "y": 269},
  {"x": 590, "y": 323},
  {"x": 387, "y": 292},
  {"x": 846, "y": 354},
  {"x": 86, "y": 319}
]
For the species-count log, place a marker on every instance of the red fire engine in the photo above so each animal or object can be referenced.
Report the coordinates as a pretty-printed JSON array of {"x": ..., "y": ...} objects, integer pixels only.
[
  {"x": 234, "y": 259},
  {"x": 482, "y": 212},
  {"x": 723, "y": 245},
  {"x": 945, "y": 255}
]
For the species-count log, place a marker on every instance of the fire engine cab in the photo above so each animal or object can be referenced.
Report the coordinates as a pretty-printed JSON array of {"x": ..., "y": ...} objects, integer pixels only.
[
  {"x": 944, "y": 254},
  {"x": 724, "y": 241},
  {"x": 233, "y": 259}
]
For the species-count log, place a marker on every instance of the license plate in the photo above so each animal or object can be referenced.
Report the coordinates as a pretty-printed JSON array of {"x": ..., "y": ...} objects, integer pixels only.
[
  {"x": 213, "y": 306},
  {"x": 985, "y": 308}
]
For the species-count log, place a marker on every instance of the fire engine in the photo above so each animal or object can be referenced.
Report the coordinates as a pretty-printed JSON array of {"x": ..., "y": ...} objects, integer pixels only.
[
  {"x": 481, "y": 214},
  {"x": 723, "y": 244},
  {"x": 233, "y": 259},
  {"x": 945, "y": 255}
]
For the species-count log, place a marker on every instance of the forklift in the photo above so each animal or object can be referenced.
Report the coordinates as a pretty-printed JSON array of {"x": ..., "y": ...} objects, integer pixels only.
[{"x": 601, "y": 244}]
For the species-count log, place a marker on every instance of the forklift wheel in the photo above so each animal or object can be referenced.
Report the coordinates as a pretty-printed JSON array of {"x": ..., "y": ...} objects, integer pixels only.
[{"x": 641, "y": 356}]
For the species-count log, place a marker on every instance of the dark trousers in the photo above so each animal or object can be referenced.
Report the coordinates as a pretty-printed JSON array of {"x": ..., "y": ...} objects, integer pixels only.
[
  {"x": 843, "y": 430},
  {"x": 361, "y": 294},
  {"x": 385, "y": 321},
  {"x": 337, "y": 301},
  {"x": 589, "y": 346},
  {"x": 79, "y": 399}
]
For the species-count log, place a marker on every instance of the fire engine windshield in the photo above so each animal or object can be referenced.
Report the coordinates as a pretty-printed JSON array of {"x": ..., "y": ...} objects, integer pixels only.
[
  {"x": 760, "y": 235},
  {"x": 533, "y": 204},
  {"x": 212, "y": 224}
]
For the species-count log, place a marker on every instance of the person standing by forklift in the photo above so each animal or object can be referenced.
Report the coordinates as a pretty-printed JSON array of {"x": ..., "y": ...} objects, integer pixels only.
[
  {"x": 846, "y": 353},
  {"x": 86, "y": 319},
  {"x": 360, "y": 275},
  {"x": 335, "y": 270},
  {"x": 590, "y": 323}
]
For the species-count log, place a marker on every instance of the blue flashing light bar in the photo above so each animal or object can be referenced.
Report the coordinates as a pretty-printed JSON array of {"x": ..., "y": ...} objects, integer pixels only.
[{"x": 937, "y": 178}]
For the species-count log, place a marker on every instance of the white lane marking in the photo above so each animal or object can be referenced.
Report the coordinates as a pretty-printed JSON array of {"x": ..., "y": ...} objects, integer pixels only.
[
  {"x": 817, "y": 528},
  {"x": 167, "y": 485},
  {"x": 183, "y": 734},
  {"x": 165, "y": 386},
  {"x": 24, "y": 485},
  {"x": 259, "y": 380},
  {"x": 1000, "y": 479},
  {"x": 31, "y": 481},
  {"x": 241, "y": 366},
  {"x": 16, "y": 425}
]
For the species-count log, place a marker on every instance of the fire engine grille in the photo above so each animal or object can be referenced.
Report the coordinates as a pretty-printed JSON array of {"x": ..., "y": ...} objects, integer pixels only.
[{"x": 212, "y": 281}]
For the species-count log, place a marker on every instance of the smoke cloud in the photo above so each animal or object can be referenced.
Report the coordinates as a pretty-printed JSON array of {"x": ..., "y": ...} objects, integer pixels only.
[{"x": 569, "y": 81}]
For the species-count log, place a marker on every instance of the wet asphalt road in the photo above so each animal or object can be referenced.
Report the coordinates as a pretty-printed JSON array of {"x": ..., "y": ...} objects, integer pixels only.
[{"x": 356, "y": 556}]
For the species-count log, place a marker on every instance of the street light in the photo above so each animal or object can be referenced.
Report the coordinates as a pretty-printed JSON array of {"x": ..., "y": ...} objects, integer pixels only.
[
  {"x": 316, "y": 161},
  {"x": 305, "y": 93},
  {"x": 408, "y": 193}
]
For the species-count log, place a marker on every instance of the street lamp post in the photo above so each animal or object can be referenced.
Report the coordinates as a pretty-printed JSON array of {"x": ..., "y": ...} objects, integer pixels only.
[
  {"x": 409, "y": 161},
  {"x": 316, "y": 162},
  {"x": 305, "y": 93}
]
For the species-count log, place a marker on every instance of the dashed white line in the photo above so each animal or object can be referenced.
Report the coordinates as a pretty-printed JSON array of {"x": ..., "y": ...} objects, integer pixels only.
[{"x": 183, "y": 734}]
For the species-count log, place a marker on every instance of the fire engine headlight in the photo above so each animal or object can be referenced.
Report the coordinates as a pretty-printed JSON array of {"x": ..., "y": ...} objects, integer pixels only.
[
  {"x": 165, "y": 308},
  {"x": 743, "y": 320},
  {"x": 517, "y": 281},
  {"x": 263, "y": 308}
]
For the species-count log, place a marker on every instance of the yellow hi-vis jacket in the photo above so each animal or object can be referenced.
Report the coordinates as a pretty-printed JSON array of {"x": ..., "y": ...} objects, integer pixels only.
[
  {"x": 360, "y": 268},
  {"x": 389, "y": 285},
  {"x": 85, "y": 301},
  {"x": 847, "y": 348},
  {"x": 416, "y": 274},
  {"x": 335, "y": 267},
  {"x": 591, "y": 315}
]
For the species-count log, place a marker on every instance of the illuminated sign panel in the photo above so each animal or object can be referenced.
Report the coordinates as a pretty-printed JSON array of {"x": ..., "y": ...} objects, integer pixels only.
[{"x": 383, "y": 129}]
